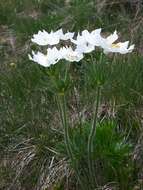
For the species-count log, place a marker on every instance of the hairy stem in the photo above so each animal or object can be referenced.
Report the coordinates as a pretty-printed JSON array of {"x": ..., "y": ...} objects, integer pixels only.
[
  {"x": 91, "y": 139},
  {"x": 62, "y": 109},
  {"x": 66, "y": 128}
]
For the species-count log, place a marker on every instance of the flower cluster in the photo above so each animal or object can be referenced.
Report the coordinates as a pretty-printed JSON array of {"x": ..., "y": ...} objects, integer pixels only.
[{"x": 84, "y": 42}]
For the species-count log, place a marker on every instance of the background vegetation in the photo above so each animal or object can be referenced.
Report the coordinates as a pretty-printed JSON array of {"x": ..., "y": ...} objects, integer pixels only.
[{"x": 32, "y": 151}]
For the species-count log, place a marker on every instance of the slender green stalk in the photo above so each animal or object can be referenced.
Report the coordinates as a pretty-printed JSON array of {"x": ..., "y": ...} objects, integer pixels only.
[
  {"x": 91, "y": 138},
  {"x": 62, "y": 109},
  {"x": 61, "y": 102},
  {"x": 66, "y": 128}
]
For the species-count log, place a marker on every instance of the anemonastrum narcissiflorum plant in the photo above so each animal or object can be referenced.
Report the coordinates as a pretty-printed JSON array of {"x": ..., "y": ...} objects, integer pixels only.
[{"x": 74, "y": 49}]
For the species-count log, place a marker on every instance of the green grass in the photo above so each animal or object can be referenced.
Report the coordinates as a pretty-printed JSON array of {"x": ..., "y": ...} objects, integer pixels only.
[{"x": 32, "y": 150}]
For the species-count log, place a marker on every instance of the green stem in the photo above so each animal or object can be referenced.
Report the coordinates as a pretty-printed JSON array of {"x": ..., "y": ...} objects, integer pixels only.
[
  {"x": 91, "y": 139},
  {"x": 66, "y": 128},
  {"x": 61, "y": 102},
  {"x": 62, "y": 110}
]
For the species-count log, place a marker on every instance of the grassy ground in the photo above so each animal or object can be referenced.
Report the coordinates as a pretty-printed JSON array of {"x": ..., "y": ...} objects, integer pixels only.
[{"x": 32, "y": 150}]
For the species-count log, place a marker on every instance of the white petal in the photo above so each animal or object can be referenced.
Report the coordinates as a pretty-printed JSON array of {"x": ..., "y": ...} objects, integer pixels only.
[
  {"x": 112, "y": 38},
  {"x": 85, "y": 48},
  {"x": 131, "y": 48},
  {"x": 67, "y": 36},
  {"x": 96, "y": 31}
]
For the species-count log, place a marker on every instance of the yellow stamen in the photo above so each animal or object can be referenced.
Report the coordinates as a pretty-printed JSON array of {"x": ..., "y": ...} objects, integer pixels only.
[{"x": 115, "y": 46}]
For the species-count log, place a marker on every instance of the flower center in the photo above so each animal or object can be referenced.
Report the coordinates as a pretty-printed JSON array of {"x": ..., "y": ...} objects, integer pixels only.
[{"x": 115, "y": 46}]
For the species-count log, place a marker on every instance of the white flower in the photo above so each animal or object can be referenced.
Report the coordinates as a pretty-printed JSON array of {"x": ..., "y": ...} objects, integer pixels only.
[
  {"x": 121, "y": 47},
  {"x": 82, "y": 45},
  {"x": 94, "y": 38},
  {"x": 51, "y": 58},
  {"x": 44, "y": 38},
  {"x": 70, "y": 55},
  {"x": 87, "y": 41},
  {"x": 109, "y": 45},
  {"x": 106, "y": 43}
]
